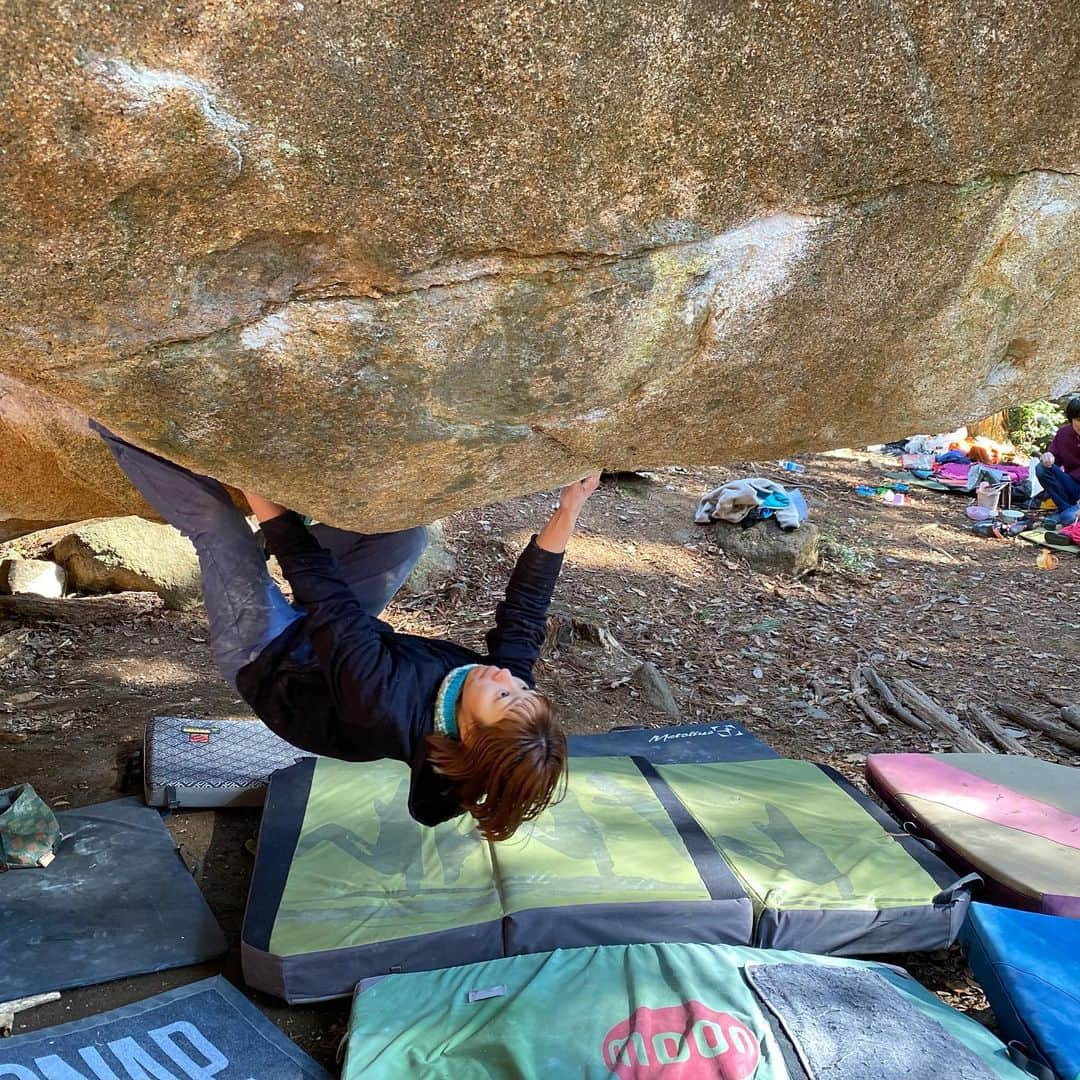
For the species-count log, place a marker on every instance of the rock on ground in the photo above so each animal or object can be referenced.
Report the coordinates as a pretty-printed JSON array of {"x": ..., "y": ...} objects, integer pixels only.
[
  {"x": 655, "y": 689},
  {"x": 130, "y": 553},
  {"x": 32, "y": 576},
  {"x": 767, "y": 547},
  {"x": 384, "y": 268},
  {"x": 436, "y": 564}
]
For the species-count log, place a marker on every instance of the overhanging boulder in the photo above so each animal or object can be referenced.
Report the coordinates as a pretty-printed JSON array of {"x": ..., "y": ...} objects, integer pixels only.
[{"x": 385, "y": 264}]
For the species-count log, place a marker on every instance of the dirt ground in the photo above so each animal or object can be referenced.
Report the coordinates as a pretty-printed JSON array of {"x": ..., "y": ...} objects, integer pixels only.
[{"x": 905, "y": 587}]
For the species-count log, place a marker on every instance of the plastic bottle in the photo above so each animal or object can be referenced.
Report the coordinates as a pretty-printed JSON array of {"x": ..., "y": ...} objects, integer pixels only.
[{"x": 792, "y": 466}]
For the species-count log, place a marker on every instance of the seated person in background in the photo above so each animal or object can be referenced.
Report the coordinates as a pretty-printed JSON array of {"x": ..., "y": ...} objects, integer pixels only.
[{"x": 1059, "y": 468}]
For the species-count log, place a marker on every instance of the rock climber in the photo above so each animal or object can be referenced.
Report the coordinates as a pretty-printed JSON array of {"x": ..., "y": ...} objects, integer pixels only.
[
  {"x": 330, "y": 677},
  {"x": 1059, "y": 468}
]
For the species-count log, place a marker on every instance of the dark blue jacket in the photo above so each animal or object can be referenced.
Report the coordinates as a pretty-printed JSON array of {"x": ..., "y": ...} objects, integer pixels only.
[{"x": 344, "y": 684}]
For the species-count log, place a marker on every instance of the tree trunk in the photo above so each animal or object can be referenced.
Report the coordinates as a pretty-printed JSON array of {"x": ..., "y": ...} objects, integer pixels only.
[{"x": 994, "y": 427}]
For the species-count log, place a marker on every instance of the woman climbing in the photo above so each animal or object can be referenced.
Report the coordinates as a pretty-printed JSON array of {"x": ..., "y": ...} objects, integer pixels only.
[{"x": 330, "y": 677}]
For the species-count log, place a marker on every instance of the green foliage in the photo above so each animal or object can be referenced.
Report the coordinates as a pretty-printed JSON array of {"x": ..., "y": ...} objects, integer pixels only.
[
  {"x": 857, "y": 558},
  {"x": 1032, "y": 426}
]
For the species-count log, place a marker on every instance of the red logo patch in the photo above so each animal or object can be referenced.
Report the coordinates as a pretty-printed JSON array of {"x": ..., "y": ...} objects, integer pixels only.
[{"x": 683, "y": 1042}]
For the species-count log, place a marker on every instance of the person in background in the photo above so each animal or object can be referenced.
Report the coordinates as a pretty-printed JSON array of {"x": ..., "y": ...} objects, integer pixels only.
[{"x": 1059, "y": 468}]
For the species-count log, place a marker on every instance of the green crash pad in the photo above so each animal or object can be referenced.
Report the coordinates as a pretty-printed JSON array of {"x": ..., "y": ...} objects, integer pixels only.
[
  {"x": 772, "y": 852},
  {"x": 664, "y": 1010},
  {"x": 796, "y": 840},
  {"x": 401, "y": 879},
  {"x": 1038, "y": 536}
]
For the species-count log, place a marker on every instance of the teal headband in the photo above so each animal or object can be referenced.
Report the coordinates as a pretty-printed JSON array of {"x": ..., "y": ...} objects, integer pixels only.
[{"x": 446, "y": 702}]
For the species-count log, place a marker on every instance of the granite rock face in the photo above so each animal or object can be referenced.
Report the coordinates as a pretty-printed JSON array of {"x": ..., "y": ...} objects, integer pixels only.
[
  {"x": 52, "y": 468},
  {"x": 385, "y": 261}
]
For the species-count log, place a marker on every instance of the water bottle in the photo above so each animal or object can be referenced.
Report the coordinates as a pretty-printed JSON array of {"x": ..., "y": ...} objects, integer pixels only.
[{"x": 792, "y": 466}]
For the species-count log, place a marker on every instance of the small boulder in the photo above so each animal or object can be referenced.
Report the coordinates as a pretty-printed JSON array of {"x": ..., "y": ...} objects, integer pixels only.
[
  {"x": 32, "y": 576},
  {"x": 767, "y": 547},
  {"x": 131, "y": 554},
  {"x": 654, "y": 689},
  {"x": 435, "y": 566}
]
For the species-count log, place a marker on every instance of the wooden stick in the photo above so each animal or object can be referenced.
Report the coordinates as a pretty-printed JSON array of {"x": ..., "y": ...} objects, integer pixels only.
[
  {"x": 1057, "y": 731},
  {"x": 859, "y": 690},
  {"x": 1070, "y": 714},
  {"x": 883, "y": 691},
  {"x": 8, "y": 1009},
  {"x": 934, "y": 714},
  {"x": 997, "y": 732},
  {"x": 1070, "y": 710},
  {"x": 77, "y": 611}
]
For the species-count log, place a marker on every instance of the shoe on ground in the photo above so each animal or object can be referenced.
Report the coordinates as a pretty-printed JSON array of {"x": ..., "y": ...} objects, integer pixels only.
[{"x": 1056, "y": 539}]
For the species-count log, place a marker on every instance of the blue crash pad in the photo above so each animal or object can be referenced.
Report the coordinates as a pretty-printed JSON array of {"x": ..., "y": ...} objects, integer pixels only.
[
  {"x": 116, "y": 901},
  {"x": 1029, "y": 966},
  {"x": 207, "y": 1029}
]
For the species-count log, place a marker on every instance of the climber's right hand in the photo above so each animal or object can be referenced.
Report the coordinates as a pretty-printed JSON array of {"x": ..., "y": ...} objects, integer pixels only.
[{"x": 262, "y": 508}]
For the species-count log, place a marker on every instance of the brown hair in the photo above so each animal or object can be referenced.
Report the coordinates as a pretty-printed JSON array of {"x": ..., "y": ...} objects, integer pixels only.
[{"x": 511, "y": 771}]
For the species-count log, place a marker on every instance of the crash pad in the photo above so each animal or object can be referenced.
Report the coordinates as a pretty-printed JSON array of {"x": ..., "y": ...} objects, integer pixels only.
[
  {"x": 116, "y": 901},
  {"x": 207, "y": 1029},
  {"x": 665, "y": 1010},
  {"x": 1038, "y": 536},
  {"x": 673, "y": 744},
  {"x": 1014, "y": 820},
  {"x": 919, "y": 482},
  {"x": 773, "y": 852},
  {"x": 1029, "y": 966}
]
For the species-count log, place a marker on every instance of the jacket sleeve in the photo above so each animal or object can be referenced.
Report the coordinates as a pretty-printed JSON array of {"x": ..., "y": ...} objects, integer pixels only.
[
  {"x": 358, "y": 667},
  {"x": 520, "y": 620}
]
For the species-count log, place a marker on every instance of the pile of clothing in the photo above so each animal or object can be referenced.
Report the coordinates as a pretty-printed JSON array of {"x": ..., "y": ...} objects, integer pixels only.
[
  {"x": 967, "y": 476},
  {"x": 746, "y": 502},
  {"x": 971, "y": 448},
  {"x": 963, "y": 464}
]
